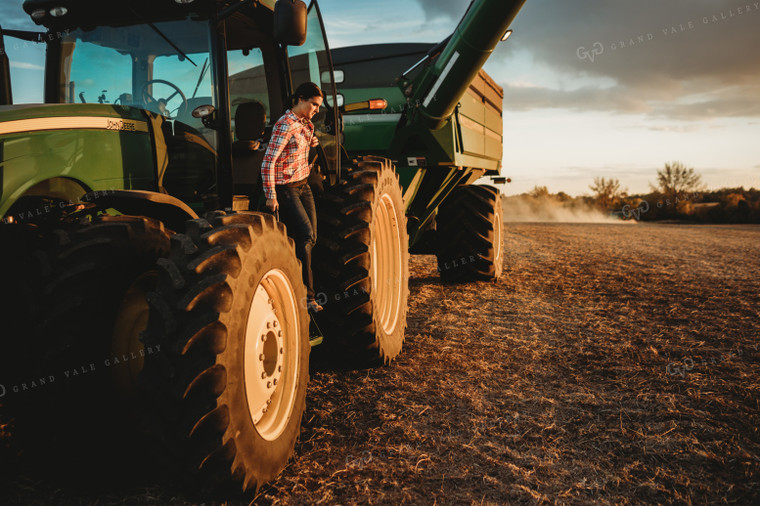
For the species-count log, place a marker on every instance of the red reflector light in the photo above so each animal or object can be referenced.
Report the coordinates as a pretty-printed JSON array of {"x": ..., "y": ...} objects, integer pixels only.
[{"x": 378, "y": 104}]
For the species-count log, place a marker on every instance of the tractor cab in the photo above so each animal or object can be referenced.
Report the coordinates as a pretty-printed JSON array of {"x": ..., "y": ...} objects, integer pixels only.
[{"x": 177, "y": 72}]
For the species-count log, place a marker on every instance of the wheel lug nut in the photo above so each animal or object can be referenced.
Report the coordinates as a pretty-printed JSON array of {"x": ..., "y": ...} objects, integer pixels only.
[
  {"x": 281, "y": 350},
  {"x": 263, "y": 337},
  {"x": 261, "y": 357},
  {"x": 269, "y": 325},
  {"x": 263, "y": 375},
  {"x": 269, "y": 384},
  {"x": 274, "y": 382},
  {"x": 274, "y": 324},
  {"x": 279, "y": 333},
  {"x": 279, "y": 368}
]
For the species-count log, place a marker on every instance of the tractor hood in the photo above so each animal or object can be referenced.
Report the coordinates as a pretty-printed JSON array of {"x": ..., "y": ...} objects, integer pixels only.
[{"x": 53, "y": 147}]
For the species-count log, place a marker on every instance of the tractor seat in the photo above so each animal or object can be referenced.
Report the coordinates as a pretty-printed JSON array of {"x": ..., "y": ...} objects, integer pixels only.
[{"x": 248, "y": 150}]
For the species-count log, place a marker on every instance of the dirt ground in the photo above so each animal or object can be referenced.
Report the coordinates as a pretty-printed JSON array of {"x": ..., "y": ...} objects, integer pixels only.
[{"x": 613, "y": 363}]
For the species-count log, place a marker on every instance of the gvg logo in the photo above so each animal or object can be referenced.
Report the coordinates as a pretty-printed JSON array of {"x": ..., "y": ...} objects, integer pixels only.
[{"x": 589, "y": 54}]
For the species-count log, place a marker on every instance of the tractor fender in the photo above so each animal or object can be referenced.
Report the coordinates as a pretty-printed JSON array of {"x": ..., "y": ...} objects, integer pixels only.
[{"x": 170, "y": 210}]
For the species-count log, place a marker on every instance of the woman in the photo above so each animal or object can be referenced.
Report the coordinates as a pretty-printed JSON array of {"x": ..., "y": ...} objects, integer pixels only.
[{"x": 285, "y": 171}]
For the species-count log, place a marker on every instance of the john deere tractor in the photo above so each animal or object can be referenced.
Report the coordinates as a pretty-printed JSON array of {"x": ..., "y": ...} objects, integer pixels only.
[{"x": 135, "y": 261}]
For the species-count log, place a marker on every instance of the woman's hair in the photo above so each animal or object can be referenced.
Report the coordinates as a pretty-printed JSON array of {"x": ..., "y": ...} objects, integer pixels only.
[{"x": 306, "y": 91}]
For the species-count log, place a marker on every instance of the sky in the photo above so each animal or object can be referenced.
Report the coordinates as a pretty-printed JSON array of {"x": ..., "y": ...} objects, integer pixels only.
[{"x": 592, "y": 88}]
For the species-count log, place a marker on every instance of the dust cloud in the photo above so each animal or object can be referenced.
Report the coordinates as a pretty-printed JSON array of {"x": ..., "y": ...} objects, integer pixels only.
[{"x": 524, "y": 208}]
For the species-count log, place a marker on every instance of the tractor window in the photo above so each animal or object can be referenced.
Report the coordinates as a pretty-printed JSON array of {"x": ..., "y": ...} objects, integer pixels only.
[
  {"x": 248, "y": 82},
  {"x": 97, "y": 74},
  {"x": 311, "y": 62}
]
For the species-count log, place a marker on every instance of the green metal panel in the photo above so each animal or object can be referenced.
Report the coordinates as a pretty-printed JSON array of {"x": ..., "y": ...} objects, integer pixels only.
[{"x": 115, "y": 152}]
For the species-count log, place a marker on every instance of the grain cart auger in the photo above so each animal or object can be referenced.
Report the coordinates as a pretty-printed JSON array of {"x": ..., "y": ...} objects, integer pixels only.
[
  {"x": 131, "y": 260},
  {"x": 443, "y": 127}
]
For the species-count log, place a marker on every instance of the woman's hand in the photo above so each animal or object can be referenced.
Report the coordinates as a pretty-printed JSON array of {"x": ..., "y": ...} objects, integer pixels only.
[
  {"x": 314, "y": 141},
  {"x": 272, "y": 204}
]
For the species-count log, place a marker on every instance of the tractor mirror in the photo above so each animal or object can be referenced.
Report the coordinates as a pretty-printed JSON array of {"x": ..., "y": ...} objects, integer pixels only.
[
  {"x": 290, "y": 22},
  {"x": 339, "y": 76}
]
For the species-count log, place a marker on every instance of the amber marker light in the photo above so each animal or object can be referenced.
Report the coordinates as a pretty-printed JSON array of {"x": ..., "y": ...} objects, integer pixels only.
[{"x": 378, "y": 104}]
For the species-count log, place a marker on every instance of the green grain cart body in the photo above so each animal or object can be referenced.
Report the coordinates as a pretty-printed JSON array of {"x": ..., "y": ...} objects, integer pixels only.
[
  {"x": 473, "y": 138},
  {"x": 443, "y": 123}
]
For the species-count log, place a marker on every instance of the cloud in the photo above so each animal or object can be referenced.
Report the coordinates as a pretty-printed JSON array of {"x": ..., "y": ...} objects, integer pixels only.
[
  {"x": 681, "y": 59},
  {"x": 26, "y": 66},
  {"x": 452, "y": 9},
  {"x": 738, "y": 101}
]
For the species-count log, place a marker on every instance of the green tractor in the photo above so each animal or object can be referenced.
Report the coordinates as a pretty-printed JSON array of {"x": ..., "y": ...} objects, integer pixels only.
[{"x": 132, "y": 250}]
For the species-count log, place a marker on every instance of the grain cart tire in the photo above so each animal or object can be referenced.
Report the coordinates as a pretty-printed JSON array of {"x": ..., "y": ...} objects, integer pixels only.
[
  {"x": 470, "y": 234},
  {"x": 88, "y": 268},
  {"x": 228, "y": 387},
  {"x": 361, "y": 264}
]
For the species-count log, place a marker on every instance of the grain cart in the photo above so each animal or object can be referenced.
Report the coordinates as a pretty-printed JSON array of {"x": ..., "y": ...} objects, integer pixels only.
[
  {"x": 129, "y": 257},
  {"x": 443, "y": 128}
]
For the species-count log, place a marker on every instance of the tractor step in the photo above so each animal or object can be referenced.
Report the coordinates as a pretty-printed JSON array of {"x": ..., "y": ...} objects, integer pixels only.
[{"x": 315, "y": 334}]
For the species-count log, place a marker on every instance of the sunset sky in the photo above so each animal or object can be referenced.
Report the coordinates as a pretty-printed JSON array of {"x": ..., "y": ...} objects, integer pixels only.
[{"x": 606, "y": 88}]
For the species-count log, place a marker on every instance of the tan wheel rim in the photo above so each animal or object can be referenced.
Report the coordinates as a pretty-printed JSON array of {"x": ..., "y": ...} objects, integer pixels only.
[
  {"x": 386, "y": 264},
  {"x": 497, "y": 241},
  {"x": 272, "y": 354},
  {"x": 131, "y": 320}
]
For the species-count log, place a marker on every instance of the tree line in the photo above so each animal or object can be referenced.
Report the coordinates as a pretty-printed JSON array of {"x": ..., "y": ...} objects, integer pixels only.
[{"x": 678, "y": 194}]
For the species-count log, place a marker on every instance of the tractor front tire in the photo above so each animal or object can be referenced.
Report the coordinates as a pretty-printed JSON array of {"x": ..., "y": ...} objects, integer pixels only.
[
  {"x": 228, "y": 386},
  {"x": 85, "y": 270},
  {"x": 469, "y": 234},
  {"x": 361, "y": 265}
]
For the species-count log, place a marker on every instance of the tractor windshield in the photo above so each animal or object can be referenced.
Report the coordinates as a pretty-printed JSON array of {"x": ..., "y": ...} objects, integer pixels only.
[{"x": 162, "y": 67}]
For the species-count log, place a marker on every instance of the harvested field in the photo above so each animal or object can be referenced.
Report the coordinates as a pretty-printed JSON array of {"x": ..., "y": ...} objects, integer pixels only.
[{"x": 612, "y": 364}]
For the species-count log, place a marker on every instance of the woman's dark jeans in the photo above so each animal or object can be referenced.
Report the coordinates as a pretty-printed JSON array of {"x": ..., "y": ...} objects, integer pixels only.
[{"x": 299, "y": 215}]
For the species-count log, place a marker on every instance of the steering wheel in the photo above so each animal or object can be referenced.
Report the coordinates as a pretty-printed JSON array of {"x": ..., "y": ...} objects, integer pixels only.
[{"x": 163, "y": 103}]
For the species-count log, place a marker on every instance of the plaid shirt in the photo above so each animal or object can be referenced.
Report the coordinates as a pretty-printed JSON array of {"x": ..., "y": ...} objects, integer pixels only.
[{"x": 287, "y": 156}]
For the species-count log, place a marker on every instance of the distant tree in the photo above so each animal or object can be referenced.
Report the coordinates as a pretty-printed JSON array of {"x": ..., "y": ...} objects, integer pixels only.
[
  {"x": 675, "y": 180},
  {"x": 539, "y": 192},
  {"x": 608, "y": 193}
]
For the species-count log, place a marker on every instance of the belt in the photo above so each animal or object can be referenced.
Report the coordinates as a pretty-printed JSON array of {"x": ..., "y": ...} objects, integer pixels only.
[{"x": 294, "y": 184}]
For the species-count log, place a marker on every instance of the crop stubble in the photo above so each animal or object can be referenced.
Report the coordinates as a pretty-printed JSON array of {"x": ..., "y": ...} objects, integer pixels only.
[{"x": 613, "y": 363}]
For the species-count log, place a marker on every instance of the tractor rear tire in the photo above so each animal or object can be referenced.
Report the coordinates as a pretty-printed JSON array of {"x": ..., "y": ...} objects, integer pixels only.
[
  {"x": 469, "y": 234},
  {"x": 227, "y": 390},
  {"x": 361, "y": 264}
]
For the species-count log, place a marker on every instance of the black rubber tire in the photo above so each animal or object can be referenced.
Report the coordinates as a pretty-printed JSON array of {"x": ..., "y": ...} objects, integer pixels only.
[
  {"x": 469, "y": 234},
  {"x": 22, "y": 269},
  {"x": 196, "y": 384},
  {"x": 84, "y": 273},
  {"x": 359, "y": 326}
]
